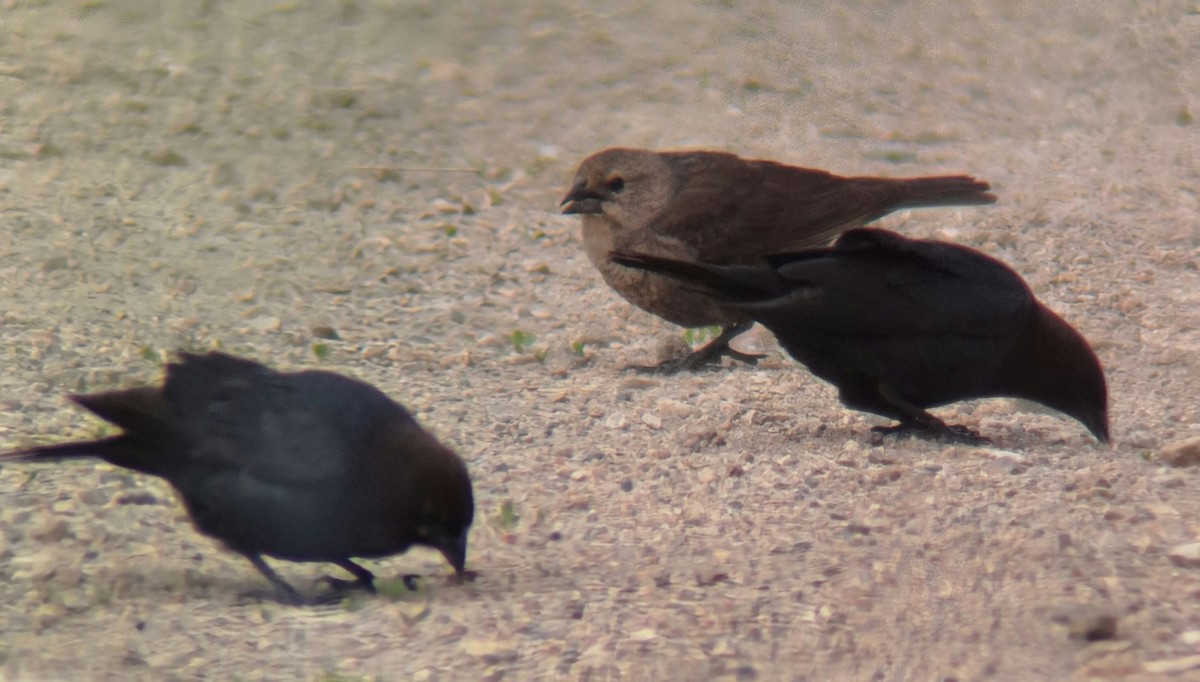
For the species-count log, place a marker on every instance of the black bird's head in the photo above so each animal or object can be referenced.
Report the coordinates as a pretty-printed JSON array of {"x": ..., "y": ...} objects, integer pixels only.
[
  {"x": 628, "y": 186},
  {"x": 1054, "y": 365},
  {"x": 444, "y": 518}
]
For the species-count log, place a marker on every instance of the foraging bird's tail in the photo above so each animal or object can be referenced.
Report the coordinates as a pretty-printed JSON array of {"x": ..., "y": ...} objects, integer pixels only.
[
  {"x": 734, "y": 283},
  {"x": 139, "y": 411},
  {"x": 946, "y": 190},
  {"x": 61, "y": 451}
]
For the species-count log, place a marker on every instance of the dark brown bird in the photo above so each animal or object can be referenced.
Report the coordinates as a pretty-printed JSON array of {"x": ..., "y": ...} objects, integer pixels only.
[
  {"x": 305, "y": 466},
  {"x": 900, "y": 325},
  {"x": 714, "y": 207}
]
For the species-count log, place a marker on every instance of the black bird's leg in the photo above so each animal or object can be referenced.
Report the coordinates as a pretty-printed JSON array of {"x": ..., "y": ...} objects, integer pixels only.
[
  {"x": 364, "y": 579},
  {"x": 919, "y": 422},
  {"x": 287, "y": 593},
  {"x": 709, "y": 352}
]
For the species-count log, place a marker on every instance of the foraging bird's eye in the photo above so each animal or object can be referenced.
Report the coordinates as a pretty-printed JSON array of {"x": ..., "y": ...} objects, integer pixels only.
[{"x": 615, "y": 184}]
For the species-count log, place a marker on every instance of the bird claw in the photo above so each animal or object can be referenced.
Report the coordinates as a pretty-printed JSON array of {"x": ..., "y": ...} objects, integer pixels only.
[
  {"x": 338, "y": 585},
  {"x": 962, "y": 434},
  {"x": 956, "y": 433},
  {"x": 706, "y": 358},
  {"x": 669, "y": 367}
]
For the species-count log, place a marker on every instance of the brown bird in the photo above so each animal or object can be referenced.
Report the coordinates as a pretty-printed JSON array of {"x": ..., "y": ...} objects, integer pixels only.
[
  {"x": 305, "y": 466},
  {"x": 718, "y": 208},
  {"x": 900, "y": 325}
]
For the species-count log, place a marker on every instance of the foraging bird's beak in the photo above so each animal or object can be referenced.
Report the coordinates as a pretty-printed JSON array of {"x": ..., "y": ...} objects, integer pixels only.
[
  {"x": 1099, "y": 428},
  {"x": 455, "y": 550},
  {"x": 581, "y": 200}
]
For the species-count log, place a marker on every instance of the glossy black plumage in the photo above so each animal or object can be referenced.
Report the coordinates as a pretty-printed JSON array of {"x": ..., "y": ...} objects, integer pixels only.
[
  {"x": 900, "y": 325},
  {"x": 304, "y": 466}
]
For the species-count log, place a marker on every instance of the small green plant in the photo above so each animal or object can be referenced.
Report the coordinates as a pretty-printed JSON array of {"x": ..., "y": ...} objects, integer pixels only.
[
  {"x": 577, "y": 348},
  {"x": 521, "y": 340},
  {"x": 29, "y": 479},
  {"x": 339, "y": 677},
  {"x": 397, "y": 589},
  {"x": 700, "y": 334},
  {"x": 150, "y": 355},
  {"x": 320, "y": 350},
  {"x": 506, "y": 517}
]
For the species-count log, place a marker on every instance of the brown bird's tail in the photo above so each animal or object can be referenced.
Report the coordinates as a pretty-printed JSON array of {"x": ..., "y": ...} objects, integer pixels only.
[
  {"x": 734, "y": 283},
  {"x": 947, "y": 190}
]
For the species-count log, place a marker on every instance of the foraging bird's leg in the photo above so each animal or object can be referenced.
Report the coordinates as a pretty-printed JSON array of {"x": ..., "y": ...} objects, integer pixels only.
[
  {"x": 707, "y": 353},
  {"x": 921, "y": 423},
  {"x": 287, "y": 593},
  {"x": 364, "y": 579}
]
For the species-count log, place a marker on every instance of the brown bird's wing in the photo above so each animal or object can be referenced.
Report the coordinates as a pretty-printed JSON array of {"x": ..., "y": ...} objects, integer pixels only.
[{"x": 731, "y": 210}]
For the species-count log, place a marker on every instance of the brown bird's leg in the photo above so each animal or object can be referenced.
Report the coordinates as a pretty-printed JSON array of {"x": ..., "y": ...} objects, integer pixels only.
[
  {"x": 921, "y": 423},
  {"x": 707, "y": 353},
  {"x": 364, "y": 579},
  {"x": 287, "y": 593}
]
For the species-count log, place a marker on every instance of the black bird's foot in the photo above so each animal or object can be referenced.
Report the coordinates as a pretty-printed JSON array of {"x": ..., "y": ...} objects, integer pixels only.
[
  {"x": 363, "y": 579},
  {"x": 342, "y": 586},
  {"x": 935, "y": 430},
  {"x": 283, "y": 591},
  {"x": 464, "y": 577}
]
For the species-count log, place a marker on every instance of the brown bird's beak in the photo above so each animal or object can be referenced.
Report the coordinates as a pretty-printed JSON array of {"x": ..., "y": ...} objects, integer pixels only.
[
  {"x": 455, "y": 550},
  {"x": 581, "y": 200}
]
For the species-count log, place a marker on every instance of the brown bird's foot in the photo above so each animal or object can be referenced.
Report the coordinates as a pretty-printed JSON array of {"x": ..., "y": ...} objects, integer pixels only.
[
  {"x": 704, "y": 356},
  {"x": 748, "y": 358},
  {"x": 934, "y": 430}
]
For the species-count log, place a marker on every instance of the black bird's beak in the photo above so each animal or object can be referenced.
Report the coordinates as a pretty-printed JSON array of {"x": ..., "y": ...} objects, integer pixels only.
[
  {"x": 455, "y": 550},
  {"x": 582, "y": 200}
]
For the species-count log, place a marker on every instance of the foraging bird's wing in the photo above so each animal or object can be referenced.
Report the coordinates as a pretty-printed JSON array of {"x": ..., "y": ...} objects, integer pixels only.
[
  {"x": 240, "y": 416},
  {"x": 879, "y": 281},
  {"x": 731, "y": 210}
]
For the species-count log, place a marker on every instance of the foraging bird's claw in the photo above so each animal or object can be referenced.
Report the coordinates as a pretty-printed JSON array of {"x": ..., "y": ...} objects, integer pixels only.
[
  {"x": 936, "y": 430},
  {"x": 342, "y": 586}
]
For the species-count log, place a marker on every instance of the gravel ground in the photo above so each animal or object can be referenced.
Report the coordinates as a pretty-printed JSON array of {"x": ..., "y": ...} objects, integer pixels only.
[{"x": 187, "y": 174}]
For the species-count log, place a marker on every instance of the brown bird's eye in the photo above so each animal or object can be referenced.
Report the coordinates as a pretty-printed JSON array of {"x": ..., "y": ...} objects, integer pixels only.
[{"x": 615, "y": 184}]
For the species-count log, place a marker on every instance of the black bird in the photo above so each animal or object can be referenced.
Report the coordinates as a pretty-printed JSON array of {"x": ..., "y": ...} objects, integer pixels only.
[
  {"x": 714, "y": 207},
  {"x": 900, "y": 325},
  {"x": 304, "y": 466}
]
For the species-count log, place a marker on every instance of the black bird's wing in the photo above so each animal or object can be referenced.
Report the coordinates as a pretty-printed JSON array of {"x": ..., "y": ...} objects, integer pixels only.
[
  {"x": 935, "y": 321},
  {"x": 878, "y": 282}
]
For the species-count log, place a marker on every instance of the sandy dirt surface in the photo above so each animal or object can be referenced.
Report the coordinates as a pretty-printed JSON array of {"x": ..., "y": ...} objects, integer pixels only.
[{"x": 187, "y": 174}]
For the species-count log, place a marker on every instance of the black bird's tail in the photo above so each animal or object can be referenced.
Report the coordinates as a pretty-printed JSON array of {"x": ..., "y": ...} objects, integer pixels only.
[
  {"x": 62, "y": 451},
  {"x": 139, "y": 411},
  {"x": 734, "y": 283}
]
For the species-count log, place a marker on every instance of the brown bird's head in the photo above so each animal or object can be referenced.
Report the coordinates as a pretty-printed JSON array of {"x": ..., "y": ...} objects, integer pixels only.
[{"x": 627, "y": 186}]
